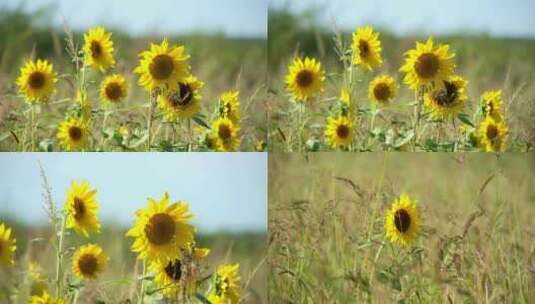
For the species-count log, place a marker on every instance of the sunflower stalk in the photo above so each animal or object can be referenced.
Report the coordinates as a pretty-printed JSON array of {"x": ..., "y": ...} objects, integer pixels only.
[
  {"x": 300, "y": 118},
  {"x": 142, "y": 287},
  {"x": 149, "y": 120},
  {"x": 32, "y": 128},
  {"x": 190, "y": 136},
  {"x": 59, "y": 257},
  {"x": 417, "y": 115}
]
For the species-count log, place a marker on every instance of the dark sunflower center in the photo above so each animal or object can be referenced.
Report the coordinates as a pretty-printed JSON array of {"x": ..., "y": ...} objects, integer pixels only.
[
  {"x": 160, "y": 229},
  {"x": 447, "y": 96},
  {"x": 75, "y": 133},
  {"x": 492, "y": 132},
  {"x": 224, "y": 132},
  {"x": 114, "y": 91},
  {"x": 79, "y": 208},
  {"x": 364, "y": 48},
  {"x": 184, "y": 96},
  {"x": 161, "y": 67},
  {"x": 88, "y": 264},
  {"x": 381, "y": 92},
  {"x": 96, "y": 49},
  {"x": 342, "y": 131},
  {"x": 36, "y": 80},
  {"x": 304, "y": 78},
  {"x": 1, "y": 248},
  {"x": 427, "y": 65},
  {"x": 402, "y": 220},
  {"x": 174, "y": 270}
]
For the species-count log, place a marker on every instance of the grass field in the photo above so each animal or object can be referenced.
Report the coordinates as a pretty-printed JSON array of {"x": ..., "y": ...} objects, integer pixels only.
[
  {"x": 327, "y": 235},
  {"x": 487, "y": 63},
  {"x": 221, "y": 62}
]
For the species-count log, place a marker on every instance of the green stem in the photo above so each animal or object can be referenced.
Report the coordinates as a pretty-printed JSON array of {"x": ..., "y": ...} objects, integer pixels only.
[
  {"x": 372, "y": 122},
  {"x": 190, "y": 135},
  {"x": 59, "y": 269},
  {"x": 142, "y": 294},
  {"x": 301, "y": 113},
  {"x": 32, "y": 128},
  {"x": 417, "y": 116},
  {"x": 104, "y": 121},
  {"x": 149, "y": 122},
  {"x": 75, "y": 300}
]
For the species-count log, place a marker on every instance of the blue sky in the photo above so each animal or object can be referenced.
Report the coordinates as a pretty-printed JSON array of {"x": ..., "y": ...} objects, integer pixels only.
[
  {"x": 495, "y": 17},
  {"x": 225, "y": 190},
  {"x": 242, "y": 18}
]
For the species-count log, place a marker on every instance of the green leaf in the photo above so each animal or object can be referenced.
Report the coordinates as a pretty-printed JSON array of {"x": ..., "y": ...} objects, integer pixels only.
[
  {"x": 199, "y": 120},
  {"x": 396, "y": 284},
  {"x": 313, "y": 145},
  {"x": 4, "y": 136},
  {"x": 46, "y": 145},
  {"x": 166, "y": 146},
  {"x": 465, "y": 119},
  {"x": 140, "y": 140},
  {"x": 405, "y": 139},
  {"x": 202, "y": 298}
]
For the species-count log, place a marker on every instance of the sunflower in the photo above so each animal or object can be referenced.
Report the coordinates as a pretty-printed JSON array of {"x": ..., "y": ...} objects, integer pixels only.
[
  {"x": 305, "y": 78},
  {"x": 168, "y": 276},
  {"x": 172, "y": 274},
  {"x": 225, "y": 133},
  {"x": 382, "y": 89},
  {"x": 339, "y": 131},
  {"x": 37, "y": 81},
  {"x": 427, "y": 64},
  {"x": 45, "y": 298},
  {"x": 492, "y": 104},
  {"x": 366, "y": 48},
  {"x": 402, "y": 221},
  {"x": 163, "y": 66},
  {"x": 230, "y": 105},
  {"x": 226, "y": 285},
  {"x": 492, "y": 135},
  {"x": 89, "y": 261},
  {"x": 81, "y": 208},
  {"x": 73, "y": 134},
  {"x": 37, "y": 281},
  {"x": 98, "y": 49},
  {"x": 184, "y": 102},
  {"x": 7, "y": 246},
  {"x": 162, "y": 229},
  {"x": 448, "y": 100},
  {"x": 113, "y": 89}
]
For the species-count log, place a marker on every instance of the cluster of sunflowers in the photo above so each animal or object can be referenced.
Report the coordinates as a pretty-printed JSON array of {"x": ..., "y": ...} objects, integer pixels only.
[
  {"x": 164, "y": 241},
  {"x": 440, "y": 95},
  {"x": 163, "y": 71}
]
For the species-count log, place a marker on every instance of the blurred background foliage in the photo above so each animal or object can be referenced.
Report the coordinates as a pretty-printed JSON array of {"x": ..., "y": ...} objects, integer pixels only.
[
  {"x": 290, "y": 33},
  {"x": 24, "y": 34}
]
